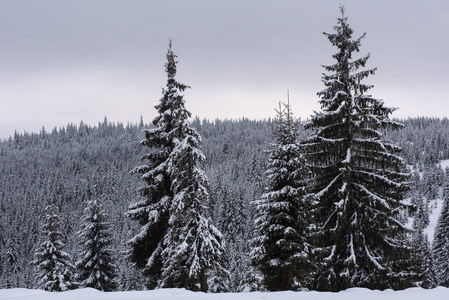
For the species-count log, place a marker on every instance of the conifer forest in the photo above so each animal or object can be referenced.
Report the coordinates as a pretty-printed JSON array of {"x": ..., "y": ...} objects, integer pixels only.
[{"x": 351, "y": 197}]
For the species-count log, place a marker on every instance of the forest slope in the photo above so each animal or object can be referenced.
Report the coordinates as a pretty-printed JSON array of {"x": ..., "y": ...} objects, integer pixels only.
[{"x": 70, "y": 166}]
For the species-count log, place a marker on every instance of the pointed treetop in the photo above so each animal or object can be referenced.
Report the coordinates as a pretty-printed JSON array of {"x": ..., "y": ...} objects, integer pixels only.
[
  {"x": 170, "y": 65},
  {"x": 342, "y": 11},
  {"x": 343, "y": 19}
]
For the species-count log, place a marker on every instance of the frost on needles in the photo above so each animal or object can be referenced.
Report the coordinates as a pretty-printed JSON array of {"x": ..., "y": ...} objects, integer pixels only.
[
  {"x": 360, "y": 179},
  {"x": 177, "y": 246},
  {"x": 282, "y": 249},
  {"x": 96, "y": 267},
  {"x": 55, "y": 272}
]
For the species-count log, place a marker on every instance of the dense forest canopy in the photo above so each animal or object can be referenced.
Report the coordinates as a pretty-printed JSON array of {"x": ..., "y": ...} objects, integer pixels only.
[{"x": 68, "y": 166}]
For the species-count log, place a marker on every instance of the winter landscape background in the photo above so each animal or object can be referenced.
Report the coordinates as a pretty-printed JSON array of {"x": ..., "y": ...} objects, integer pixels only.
[
  {"x": 70, "y": 164},
  {"x": 350, "y": 201}
]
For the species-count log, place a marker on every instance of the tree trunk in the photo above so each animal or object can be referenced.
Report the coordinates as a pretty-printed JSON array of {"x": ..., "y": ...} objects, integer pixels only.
[
  {"x": 203, "y": 282},
  {"x": 289, "y": 282}
]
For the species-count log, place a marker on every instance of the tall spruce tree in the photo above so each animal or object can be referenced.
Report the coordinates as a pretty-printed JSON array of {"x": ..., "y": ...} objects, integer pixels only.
[
  {"x": 54, "y": 267},
  {"x": 178, "y": 246},
  {"x": 359, "y": 178},
  {"x": 152, "y": 212},
  {"x": 96, "y": 268},
  {"x": 441, "y": 241},
  {"x": 193, "y": 248},
  {"x": 281, "y": 246}
]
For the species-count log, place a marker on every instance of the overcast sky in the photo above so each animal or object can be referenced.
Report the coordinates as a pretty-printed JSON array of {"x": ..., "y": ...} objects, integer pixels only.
[{"x": 66, "y": 61}]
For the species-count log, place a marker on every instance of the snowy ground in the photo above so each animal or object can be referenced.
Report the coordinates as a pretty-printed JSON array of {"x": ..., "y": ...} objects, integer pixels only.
[{"x": 439, "y": 293}]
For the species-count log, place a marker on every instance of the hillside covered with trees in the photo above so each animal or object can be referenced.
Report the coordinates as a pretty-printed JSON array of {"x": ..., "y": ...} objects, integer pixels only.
[
  {"x": 71, "y": 166},
  {"x": 342, "y": 200}
]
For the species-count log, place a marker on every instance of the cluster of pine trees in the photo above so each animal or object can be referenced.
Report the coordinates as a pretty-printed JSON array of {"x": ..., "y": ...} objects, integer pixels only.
[
  {"x": 95, "y": 267},
  {"x": 328, "y": 211},
  {"x": 355, "y": 236}
]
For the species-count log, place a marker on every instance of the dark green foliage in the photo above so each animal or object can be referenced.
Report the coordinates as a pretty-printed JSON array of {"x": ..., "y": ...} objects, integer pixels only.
[
  {"x": 178, "y": 246},
  {"x": 152, "y": 212},
  {"x": 281, "y": 247},
  {"x": 96, "y": 268},
  {"x": 193, "y": 249},
  {"x": 54, "y": 267},
  {"x": 360, "y": 180}
]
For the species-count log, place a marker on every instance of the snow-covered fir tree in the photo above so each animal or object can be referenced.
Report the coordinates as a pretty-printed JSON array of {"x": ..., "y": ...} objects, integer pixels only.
[
  {"x": 178, "y": 245},
  {"x": 194, "y": 252},
  {"x": 54, "y": 266},
  {"x": 360, "y": 180},
  {"x": 152, "y": 213},
  {"x": 281, "y": 246},
  {"x": 96, "y": 268},
  {"x": 441, "y": 241}
]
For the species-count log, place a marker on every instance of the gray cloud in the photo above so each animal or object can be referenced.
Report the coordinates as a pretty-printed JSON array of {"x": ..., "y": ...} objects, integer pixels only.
[{"x": 63, "y": 61}]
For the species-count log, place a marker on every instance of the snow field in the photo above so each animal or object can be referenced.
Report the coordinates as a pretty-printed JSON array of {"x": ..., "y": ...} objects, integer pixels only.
[{"x": 439, "y": 293}]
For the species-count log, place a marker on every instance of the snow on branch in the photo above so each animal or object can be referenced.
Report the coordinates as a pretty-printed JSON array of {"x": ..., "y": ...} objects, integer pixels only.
[
  {"x": 382, "y": 201},
  {"x": 323, "y": 191},
  {"x": 371, "y": 257}
]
